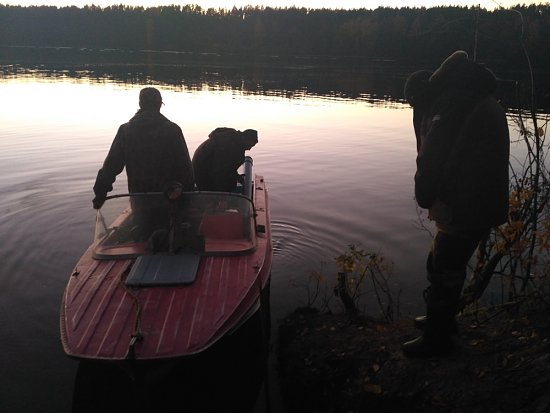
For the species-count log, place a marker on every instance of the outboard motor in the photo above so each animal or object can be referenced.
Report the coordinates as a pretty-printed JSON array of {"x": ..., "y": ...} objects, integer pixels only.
[{"x": 247, "y": 187}]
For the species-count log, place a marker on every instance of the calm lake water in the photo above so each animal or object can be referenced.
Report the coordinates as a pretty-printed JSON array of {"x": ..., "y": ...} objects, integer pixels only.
[{"x": 338, "y": 171}]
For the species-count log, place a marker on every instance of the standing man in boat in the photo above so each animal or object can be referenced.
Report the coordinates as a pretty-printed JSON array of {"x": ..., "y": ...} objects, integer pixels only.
[
  {"x": 217, "y": 160},
  {"x": 152, "y": 149},
  {"x": 461, "y": 178}
]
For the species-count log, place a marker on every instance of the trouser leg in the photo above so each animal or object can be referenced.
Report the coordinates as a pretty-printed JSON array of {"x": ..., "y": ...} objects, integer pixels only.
[{"x": 446, "y": 269}]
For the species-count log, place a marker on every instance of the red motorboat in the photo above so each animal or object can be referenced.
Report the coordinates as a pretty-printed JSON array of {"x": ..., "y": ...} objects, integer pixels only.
[{"x": 169, "y": 276}]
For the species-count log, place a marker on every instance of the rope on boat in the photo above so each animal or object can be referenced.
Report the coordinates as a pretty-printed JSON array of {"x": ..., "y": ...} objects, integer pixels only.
[{"x": 137, "y": 334}]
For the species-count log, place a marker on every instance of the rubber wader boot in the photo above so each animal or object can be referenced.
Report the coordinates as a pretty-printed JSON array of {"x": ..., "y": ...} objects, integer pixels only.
[
  {"x": 430, "y": 343},
  {"x": 421, "y": 320},
  {"x": 436, "y": 339}
]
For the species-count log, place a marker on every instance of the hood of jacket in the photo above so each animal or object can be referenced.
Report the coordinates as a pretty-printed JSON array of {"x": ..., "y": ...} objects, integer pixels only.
[
  {"x": 232, "y": 138},
  {"x": 222, "y": 134},
  {"x": 227, "y": 138},
  {"x": 459, "y": 74}
]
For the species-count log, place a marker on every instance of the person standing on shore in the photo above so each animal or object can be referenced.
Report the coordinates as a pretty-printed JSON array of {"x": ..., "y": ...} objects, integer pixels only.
[{"x": 461, "y": 178}]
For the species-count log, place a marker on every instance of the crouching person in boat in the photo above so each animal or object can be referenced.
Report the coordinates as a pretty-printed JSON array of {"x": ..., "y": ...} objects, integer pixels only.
[
  {"x": 217, "y": 160},
  {"x": 461, "y": 177},
  {"x": 153, "y": 151}
]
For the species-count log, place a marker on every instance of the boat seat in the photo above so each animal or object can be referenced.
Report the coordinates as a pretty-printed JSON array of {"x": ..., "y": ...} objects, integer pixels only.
[{"x": 226, "y": 225}]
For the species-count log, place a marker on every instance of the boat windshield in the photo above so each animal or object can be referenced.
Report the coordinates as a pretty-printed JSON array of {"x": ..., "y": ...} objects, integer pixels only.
[{"x": 212, "y": 223}]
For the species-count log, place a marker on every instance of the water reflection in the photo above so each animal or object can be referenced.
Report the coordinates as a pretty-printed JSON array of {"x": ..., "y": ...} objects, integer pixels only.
[
  {"x": 290, "y": 77},
  {"x": 294, "y": 77}
]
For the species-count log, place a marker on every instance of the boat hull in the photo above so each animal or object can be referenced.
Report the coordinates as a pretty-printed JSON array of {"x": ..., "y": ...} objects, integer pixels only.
[{"x": 233, "y": 370}]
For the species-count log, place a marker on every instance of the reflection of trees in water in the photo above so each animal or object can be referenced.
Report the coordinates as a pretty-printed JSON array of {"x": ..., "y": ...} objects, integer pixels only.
[{"x": 377, "y": 82}]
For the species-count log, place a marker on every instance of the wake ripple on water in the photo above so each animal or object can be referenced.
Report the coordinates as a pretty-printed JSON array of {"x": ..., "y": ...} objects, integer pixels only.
[{"x": 287, "y": 238}]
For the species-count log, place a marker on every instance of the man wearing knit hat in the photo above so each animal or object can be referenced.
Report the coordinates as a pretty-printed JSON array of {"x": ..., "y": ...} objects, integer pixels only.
[
  {"x": 461, "y": 178},
  {"x": 151, "y": 148},
  {"x": 218, "y": 158}
]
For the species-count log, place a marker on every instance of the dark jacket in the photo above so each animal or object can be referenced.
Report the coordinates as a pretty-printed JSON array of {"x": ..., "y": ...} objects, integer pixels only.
[
  {"x": 154, "y": 152},
  {"x": 462, "y": 164},
  {"x": 217, "y": 159}
]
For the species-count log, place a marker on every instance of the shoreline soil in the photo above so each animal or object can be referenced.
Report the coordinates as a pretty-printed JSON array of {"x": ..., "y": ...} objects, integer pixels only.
[{"x": 334, "y": 363}]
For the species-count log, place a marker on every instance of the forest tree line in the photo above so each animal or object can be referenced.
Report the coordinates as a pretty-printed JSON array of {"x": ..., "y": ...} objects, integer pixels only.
[{"x": 407, "y": 35}]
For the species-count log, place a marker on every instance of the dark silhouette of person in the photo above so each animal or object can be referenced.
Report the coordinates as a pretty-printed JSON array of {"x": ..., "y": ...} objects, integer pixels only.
[
  {"x": 461, "y": 178},
  {"x": 217, "y": 159},
  {"x": 152, "y": 148}
]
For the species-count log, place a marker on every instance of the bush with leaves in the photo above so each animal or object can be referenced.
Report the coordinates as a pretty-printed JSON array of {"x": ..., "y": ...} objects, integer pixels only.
[{"x": 357, "y": 269}]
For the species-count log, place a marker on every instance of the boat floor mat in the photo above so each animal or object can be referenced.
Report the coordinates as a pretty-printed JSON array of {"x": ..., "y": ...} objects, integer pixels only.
[{"x": 153, "y": 270}]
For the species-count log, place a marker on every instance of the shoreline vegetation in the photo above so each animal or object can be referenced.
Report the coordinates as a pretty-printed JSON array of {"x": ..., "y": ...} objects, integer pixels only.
[
  {"x": 336, "y": 363},
  {"x": 420, "y": 37},
  {"x": 332, "y": 357}
]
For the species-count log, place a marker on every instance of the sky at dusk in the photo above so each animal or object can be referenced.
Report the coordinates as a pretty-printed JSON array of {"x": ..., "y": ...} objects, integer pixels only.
[{"x": 331, "y": 4}]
